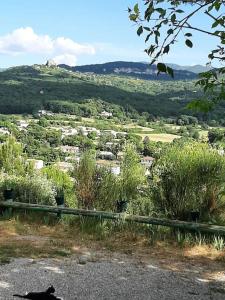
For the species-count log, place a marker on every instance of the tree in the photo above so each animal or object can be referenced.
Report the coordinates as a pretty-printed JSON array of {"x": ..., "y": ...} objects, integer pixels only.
[
  {"x": 215, "y": 135},
  {"x": 12, "y": 158},
  {"x": 164, "y": 22},
  {"x": 94, "y": 183},
  {"x": 85, "y": 182},
  {"x": 132, "y": 174}
]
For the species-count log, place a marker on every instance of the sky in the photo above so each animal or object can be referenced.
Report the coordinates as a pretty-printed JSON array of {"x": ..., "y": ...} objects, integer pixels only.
[{"x": 78, "y": 32}]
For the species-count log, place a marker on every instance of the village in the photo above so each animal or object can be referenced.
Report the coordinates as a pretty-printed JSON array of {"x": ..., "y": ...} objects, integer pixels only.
[{"x": 108, "y": 155}]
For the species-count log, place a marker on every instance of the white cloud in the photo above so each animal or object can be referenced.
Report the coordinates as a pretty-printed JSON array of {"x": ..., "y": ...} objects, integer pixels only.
[
  {"x": 65, "y": 45},
  {"x": 67, "y": 59},
  {"x": 26, "y": 41}
]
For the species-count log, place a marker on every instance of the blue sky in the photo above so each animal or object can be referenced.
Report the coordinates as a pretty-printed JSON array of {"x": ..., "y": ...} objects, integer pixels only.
[{"x": 79, "y": 32}]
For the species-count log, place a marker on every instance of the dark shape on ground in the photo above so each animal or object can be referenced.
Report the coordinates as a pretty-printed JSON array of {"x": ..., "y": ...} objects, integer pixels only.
[{"x": 47, "y": 295}]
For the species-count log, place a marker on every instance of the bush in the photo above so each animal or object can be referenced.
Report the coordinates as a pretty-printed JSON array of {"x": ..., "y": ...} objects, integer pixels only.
[
  {"x": 188, "y": 178},
  {"x": 35, "y": 190},
  {"x": 108, "y": 191},
  {"x": 142, "y": 206},
  {"x": 62, "y": 182}
]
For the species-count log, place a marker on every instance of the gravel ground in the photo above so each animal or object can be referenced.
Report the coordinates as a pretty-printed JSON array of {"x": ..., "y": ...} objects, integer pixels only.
[{"x": 114, "y": 278}]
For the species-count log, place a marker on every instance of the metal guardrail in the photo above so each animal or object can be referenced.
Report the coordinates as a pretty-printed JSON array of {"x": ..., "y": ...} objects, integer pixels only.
[{"x": 182, "y": 225}]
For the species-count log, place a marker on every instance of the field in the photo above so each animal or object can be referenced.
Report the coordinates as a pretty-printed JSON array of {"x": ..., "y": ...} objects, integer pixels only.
[
  {"x": 160, "y": 137},
  {"x": 138, "y": 127}
]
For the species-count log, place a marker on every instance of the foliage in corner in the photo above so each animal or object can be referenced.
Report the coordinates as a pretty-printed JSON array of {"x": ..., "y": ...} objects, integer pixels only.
[{"x": 165, "y": 22}]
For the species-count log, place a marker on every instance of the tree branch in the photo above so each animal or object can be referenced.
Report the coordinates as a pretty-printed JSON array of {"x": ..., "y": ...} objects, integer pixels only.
[
  {"x": 200, "y": 30},
  {"x": 214, "y": 18}
]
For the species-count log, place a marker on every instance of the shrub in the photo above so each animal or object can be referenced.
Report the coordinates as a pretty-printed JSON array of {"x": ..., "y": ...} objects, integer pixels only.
[
  {"x": 62, "y": 182},
  {"x": 85, "y": 180},
  {"x": 36, "y": 189},
  {"x": 132, "y": 174},
  {"x": 187, "y": 177},
  {"x": 12, "y": 158},
  {"x": 108, "y": 191}
]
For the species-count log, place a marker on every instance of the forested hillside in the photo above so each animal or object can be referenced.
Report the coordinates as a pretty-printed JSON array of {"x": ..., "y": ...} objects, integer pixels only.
[
  {"x": 27, "y": 89},
  {"x": 134, "y": 69}
]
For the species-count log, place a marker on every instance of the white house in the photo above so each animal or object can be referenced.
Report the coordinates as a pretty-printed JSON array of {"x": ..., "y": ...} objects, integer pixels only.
[
  {"x": 70, "y": 149},
  {"x": 106, "y": 155},
  {"x": 4, "y": 130},
  {"x": 106, "y": 114},
  {"x": 22, "y": 124},
  {"x": 43, "y": 112},
  {"x": 67, "y": 131},
  {"x": 112, "y": 167},
  {"x": 112, "y": 132},
  {"x": 37, "y": 163},
  {"x": 93, "y": 129},
  {"x": 64, "y": 166},
  {"x": 83, "y": 130},
  {"x": 147, "y": 161},
  {"x": 110, "y": 145}
]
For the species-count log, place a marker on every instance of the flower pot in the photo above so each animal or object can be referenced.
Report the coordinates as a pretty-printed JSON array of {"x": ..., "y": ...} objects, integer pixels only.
[
  {"x": 195, "y": 216},
  {"x": 8, "y": 194},
  {"x": 60, "y": 200},
  {"x": 121, "y": 206}
]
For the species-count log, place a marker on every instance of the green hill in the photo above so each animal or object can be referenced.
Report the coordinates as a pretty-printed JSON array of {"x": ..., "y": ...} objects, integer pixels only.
[
  {"x": 29, "y": 88},
  {"x": 133, "y": 69}
]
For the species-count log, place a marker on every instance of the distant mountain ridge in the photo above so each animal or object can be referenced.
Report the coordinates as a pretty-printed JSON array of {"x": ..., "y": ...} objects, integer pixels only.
[
  {"x": 195, "y": 68},
  {"x": 134, "y": 69}
]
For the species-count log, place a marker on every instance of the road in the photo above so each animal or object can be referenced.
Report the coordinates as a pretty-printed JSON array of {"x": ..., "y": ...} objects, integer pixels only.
[{"x": 114, "y": 278}]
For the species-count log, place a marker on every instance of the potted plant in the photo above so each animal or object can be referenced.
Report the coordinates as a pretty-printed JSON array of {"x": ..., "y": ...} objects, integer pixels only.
[
  {"x": 121, "y": 206},
  {"x": 8, "y": 194},
  {"x": 59, "y": 198}
]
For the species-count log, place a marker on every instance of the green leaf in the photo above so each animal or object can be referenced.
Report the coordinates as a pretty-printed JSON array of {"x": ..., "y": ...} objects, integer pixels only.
[
  {"x": 136, "y": 8},
  {"x": 179, "y": 11},
  {"x": 147, "y": 37},
  {"x": 133, "y": 17},
  {"x": 173, "y": 18},
  {"x": 140, "y": 30},
  {"x": 217, "y": 5},
  {"x": 201, "y": 105},
  {"x": 188, "y": 34},
  {"x": 170, "y": 72},
  {"x": 170, "y": 31},
  {"x": 166, "y": 49},
  {"x": 160, "y": 10},
  {"x": 189, "y": 43},
  {"x": 161, "y": 67},
  {"x": 215, "y": 24}
]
